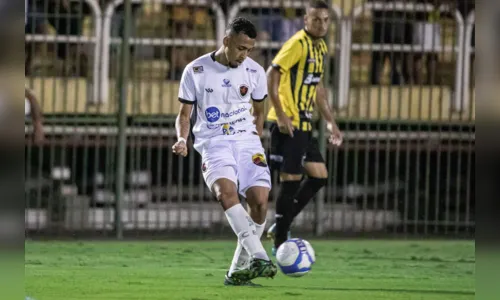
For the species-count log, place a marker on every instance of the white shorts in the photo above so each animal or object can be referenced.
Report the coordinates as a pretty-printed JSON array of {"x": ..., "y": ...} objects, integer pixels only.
[{"x": 241, "y": 161}]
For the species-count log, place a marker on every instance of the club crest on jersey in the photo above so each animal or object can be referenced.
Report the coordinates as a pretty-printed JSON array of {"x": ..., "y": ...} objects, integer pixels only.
[
  {"x": 203, "y": 167},
  {"x": 259, "y": 159},
  {"x": 198, "y": 69},
  {"x": 243, "y": 90}
]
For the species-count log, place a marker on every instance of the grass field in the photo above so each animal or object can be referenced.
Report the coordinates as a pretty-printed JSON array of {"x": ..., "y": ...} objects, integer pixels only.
[{"x": 352, "y": 270}]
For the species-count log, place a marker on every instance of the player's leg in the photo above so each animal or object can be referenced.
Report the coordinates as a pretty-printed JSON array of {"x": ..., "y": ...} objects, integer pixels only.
[
  {"x": 257, "y": 209},
  {"x": 220, "y": 174},
  {"x": 255, "y": 183},
  {"x": 286, "y": 156},
  {"x": 242, "y": 224},
  {"x": 317, "y": 176}
]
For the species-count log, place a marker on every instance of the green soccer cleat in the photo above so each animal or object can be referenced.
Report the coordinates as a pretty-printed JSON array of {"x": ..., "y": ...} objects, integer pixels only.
[
  {"x": 257, "y": 268},
  {"x": 230, "y": 281}
]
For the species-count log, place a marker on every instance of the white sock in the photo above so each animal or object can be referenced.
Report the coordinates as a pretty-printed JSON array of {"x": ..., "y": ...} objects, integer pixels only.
[
  {"x": 241, "y": 257},
  {"x": 246, "y": 231}
]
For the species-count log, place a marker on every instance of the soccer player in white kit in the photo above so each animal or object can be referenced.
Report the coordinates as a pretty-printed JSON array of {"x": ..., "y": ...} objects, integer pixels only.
[{"x": 224, "y": 92}]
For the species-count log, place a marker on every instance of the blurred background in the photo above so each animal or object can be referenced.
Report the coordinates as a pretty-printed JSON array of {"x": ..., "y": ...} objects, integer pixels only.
[{"x": 400, "y": 78}]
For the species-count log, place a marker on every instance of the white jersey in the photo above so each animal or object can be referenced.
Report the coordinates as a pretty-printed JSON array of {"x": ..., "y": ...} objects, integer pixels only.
[{"x": 222, "y": 98}]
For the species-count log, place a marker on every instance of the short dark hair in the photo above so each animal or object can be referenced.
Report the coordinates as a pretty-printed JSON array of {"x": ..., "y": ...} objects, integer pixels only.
[
  {"x": 318, "y": 4},
  {"x": 242, "y": 25}
]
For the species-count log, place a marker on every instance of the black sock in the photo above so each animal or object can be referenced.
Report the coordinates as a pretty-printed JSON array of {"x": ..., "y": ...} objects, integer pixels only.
[
  {"x": 284, "y": 210},
  {"x": 308, "y": 188}
]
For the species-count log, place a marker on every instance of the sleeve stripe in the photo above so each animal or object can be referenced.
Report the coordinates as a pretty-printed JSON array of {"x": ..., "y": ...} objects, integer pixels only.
[
  {"x": 276, "y": 66},
  {"x": 186, "y": 101},
  {"x": 260, "y": 100}
]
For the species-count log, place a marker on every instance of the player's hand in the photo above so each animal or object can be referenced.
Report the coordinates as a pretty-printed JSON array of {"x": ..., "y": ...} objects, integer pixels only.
[
  {"x": 335, "y": 134},
  {"x": 285, "y": 124},
  {"x": 180, "y": 148}
]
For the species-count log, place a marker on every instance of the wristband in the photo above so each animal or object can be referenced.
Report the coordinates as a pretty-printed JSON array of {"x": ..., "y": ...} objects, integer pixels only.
[
  {"x": 181, "y": 139},
  {"x": 329, "y": 127}
]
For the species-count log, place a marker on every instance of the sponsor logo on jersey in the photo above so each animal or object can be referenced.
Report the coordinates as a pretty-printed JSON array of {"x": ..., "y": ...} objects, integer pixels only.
[
  {"x": 213, "y": 114},
  {"x": 243, "y": 90},
  {"x": 251, "y": 70},
  {"x": 312, "y": 79},
  {"x": 198, "y": 69},
  {"x": 311, "y": 60},
  {"x": 259, "y": 159},
  {"x": 307, "y": 115},
  {"x": 204, "y": 167},
  {"x": 209, "y": 90},
  {"x": 227, "y": 83},
  {"x": 215, "y": 126}
]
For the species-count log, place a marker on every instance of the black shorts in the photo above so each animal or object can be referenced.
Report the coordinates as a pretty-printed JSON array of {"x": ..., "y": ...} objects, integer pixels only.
[{"x": 288, "y": 154}]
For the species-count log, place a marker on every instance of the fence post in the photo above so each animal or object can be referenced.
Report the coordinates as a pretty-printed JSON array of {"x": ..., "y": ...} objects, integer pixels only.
[
  {"x": 122, "y": 120},
  {"x": 320, "y": 197},
  {"x": 469, "y": 50}
]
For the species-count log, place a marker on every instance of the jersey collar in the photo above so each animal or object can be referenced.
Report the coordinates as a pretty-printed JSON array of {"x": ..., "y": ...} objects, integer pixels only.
[
  {"x": 212, "y": 56},
  {"x": 313, "y": 39}
]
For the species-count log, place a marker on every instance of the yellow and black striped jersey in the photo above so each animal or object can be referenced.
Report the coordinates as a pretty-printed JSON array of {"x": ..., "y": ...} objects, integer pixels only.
[{"x": 301, "y": 63}]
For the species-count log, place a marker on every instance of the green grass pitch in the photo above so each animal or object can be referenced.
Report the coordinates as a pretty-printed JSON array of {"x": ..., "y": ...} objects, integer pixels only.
[{"x": 345, "y": 269}]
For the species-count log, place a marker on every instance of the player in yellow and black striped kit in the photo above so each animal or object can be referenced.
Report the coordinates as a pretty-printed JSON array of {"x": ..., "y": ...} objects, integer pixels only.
[{"x": 295, "y": 88}]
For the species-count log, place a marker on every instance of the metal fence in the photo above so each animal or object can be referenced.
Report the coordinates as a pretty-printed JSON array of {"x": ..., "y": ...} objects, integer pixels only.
[{"x": 399, "y": 77}]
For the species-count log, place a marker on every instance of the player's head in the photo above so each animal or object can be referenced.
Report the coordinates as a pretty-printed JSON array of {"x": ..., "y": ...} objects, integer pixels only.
[
  {"x": 239, "y": 41},
  {"x": 317, "y": 18}
]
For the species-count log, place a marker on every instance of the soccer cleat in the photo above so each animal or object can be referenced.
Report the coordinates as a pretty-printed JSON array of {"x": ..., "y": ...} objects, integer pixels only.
[
  {"x": 273, "y": 251},
  {"x": 271, "y": 232},
  {"x": 257, "y": 268},
  {"x": 230, "y": 281}
]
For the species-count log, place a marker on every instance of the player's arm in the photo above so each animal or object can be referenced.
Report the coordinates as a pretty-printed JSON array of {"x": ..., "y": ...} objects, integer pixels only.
[
  {"x": 182, "y": 127},
  {"x": 326, "y": 113},
  {"x": 259, "y": 94},
  {"x": 36, "y": 115},
  {"x": 259, "y": 116},
  {"x": 273, "y": 83},
  {"x": 187, "y": 97},
  {"x": 182, "y": 124},
  {"x": 288, "y": 56}
]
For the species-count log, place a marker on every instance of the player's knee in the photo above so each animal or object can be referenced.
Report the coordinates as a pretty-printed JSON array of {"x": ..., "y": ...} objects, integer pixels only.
[
  {"x": 316, "y": 170},
  {"x": 259, "y": 204},
  {"x": 226, "y": 196},
  {"x": 322, "y": 174},
  {"x": 225, "y": 192},
  {"x": 257, "y": 197}
]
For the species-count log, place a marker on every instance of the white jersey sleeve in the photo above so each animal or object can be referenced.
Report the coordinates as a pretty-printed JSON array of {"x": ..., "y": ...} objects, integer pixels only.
[
  {"x": 187, "y": 89},
  {"x": 259, "y": 93}
]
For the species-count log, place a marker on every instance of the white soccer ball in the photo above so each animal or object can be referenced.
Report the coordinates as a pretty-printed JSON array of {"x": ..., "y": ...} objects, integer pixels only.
[{"x": 295, "y": 257}]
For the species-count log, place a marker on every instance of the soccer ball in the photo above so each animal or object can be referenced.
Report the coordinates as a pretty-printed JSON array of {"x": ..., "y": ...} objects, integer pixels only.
[{"x": 295, "y": 257}]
